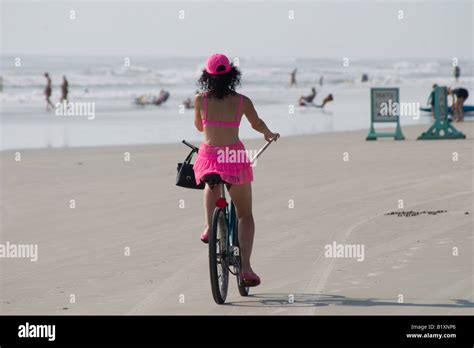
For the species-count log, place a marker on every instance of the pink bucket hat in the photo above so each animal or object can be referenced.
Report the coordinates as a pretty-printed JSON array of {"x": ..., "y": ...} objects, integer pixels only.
[{"x": 217, "y": 64}]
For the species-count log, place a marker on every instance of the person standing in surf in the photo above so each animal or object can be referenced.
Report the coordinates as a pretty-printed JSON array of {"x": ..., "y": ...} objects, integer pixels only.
[
  {"x": 48, "y": 91},
  {"x": 219, "y": 110},
  {"x": 64, "y": 90},
  {"x": 457, "y": 72},
  {"x": 431, "y": 100},
  {"x": 293, "y": 77}
]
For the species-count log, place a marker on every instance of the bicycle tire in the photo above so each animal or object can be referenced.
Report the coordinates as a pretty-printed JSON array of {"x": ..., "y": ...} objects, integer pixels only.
[{"x": 219, "y": 272}]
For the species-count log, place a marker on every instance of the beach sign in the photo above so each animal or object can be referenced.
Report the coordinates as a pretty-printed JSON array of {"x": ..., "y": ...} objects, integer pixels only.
[
  {"x": 385, "y": 108},
  {"x": 441, "y": 128}
]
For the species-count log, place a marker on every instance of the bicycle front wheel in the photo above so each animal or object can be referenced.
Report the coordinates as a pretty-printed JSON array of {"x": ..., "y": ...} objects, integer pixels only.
[{"x": 219, "y": 271}]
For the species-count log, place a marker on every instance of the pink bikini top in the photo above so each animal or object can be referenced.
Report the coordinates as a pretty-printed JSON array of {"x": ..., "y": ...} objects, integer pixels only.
[{"x": 234, "y": 123}]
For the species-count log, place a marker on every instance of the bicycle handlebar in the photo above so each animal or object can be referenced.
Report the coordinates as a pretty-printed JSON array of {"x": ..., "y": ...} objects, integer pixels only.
[
  {"x": 259, "y": 152},
  {"x": 190, "y": 145}
]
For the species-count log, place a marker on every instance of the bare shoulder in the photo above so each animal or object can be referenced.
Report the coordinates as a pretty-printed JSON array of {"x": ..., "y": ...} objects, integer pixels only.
[
  {"x": 198, "y": 98},
  {"x": 246, "y": 101},
  {"x": 245, "y": 98}
]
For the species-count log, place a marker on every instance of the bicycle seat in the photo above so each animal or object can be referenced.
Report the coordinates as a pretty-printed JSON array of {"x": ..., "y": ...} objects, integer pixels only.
[{"x": 212, "y": 179}]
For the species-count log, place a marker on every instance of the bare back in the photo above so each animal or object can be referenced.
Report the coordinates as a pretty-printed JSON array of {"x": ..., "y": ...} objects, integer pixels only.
[{"x": 223, "y": 116}]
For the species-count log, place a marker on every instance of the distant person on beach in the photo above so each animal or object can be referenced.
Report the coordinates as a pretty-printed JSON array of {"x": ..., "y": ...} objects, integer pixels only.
[
  {"x": 141, "y": 100},
  {"x": 365, "y": 78},
  {"x": 459, "y": 97},
  {"x": 293, "y": 77},
  {"x": 431, "y": 98},
  {"x": 308, "y": 100},
  {"x": 457, "y": 72},
  {"x": 64, "y": 90},
  {"x": 162, "y": 97},
  {"x": 48, "y": 91},
  {"x": 1, "y": 84},
  {"x": 147, "y": 99},
  {"x": 188, "y": 103},
  {"x": 326, "y": 100},
  {"x": 304, "y": 100},
  {"x": 321, "y": 81},
  {"x": 218, "y": 113}
]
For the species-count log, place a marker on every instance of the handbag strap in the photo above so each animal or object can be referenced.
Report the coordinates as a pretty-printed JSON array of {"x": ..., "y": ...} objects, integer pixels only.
[{"x": 189, "y": 157}]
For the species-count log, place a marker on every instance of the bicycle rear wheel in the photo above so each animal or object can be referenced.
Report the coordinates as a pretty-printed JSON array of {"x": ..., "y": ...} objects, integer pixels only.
[{"x": 219, "y": 271}]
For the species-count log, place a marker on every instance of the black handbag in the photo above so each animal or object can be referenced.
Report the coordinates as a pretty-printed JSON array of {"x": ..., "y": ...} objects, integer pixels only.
[{"x": 185, "y": 177}]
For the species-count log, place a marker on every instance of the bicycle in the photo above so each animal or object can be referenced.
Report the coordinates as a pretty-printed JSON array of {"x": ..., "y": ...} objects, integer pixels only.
[{"x": 224, "y": 251}]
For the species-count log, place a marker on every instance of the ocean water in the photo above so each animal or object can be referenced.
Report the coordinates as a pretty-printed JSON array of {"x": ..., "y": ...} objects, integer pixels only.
[{"x": 111, "y": 86}]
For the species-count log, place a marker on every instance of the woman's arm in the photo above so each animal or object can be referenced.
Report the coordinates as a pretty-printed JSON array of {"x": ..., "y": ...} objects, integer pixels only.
[
  {"x": 197, "y": 112},
  {"x": 256, "y": 122}
]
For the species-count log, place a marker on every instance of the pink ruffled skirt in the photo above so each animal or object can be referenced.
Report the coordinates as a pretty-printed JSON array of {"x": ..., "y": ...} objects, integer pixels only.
[{"x": 229, "y": 161}]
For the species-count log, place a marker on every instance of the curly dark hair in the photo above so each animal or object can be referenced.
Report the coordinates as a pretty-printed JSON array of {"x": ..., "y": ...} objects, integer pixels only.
[{"x": 220, "y": 86}]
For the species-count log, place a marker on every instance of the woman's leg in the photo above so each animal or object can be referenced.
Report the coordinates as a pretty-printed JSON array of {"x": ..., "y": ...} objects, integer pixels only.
[
  {"x": 242, "y": 197},
  {"x": 210, "y": 197},
  {"x": 455, "y": 110},
  {"x": 461, "y": 109}
]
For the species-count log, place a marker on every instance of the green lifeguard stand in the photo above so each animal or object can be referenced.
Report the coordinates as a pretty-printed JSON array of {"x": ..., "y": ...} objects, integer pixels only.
[
  {"x": 442, "y": 127},
  {"x": 387, "y": 100}
]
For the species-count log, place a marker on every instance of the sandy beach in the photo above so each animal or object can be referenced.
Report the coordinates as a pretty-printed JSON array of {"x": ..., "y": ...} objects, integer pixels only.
[{"x": 305, "y": 197}]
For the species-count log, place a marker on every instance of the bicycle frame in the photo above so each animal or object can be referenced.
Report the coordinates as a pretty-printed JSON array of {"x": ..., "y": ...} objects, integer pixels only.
[{"x": 229, "y": 210}]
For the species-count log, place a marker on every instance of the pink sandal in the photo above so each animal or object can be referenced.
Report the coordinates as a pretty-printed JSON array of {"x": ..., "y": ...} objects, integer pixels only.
[{"x": 250, "y": 279}]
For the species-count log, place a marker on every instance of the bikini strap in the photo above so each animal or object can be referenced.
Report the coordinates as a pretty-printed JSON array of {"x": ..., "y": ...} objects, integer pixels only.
[
  {"x": 239, "y": 107},
  {"x": 205, "y": 106}
]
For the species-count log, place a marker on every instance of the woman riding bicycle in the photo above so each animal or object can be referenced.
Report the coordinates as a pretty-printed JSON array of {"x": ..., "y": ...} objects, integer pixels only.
[{"x": 218, "y": 112}]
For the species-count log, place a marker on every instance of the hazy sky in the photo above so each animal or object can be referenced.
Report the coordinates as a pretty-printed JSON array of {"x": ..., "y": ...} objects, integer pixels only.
[{"x": 332, "y": 29}]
